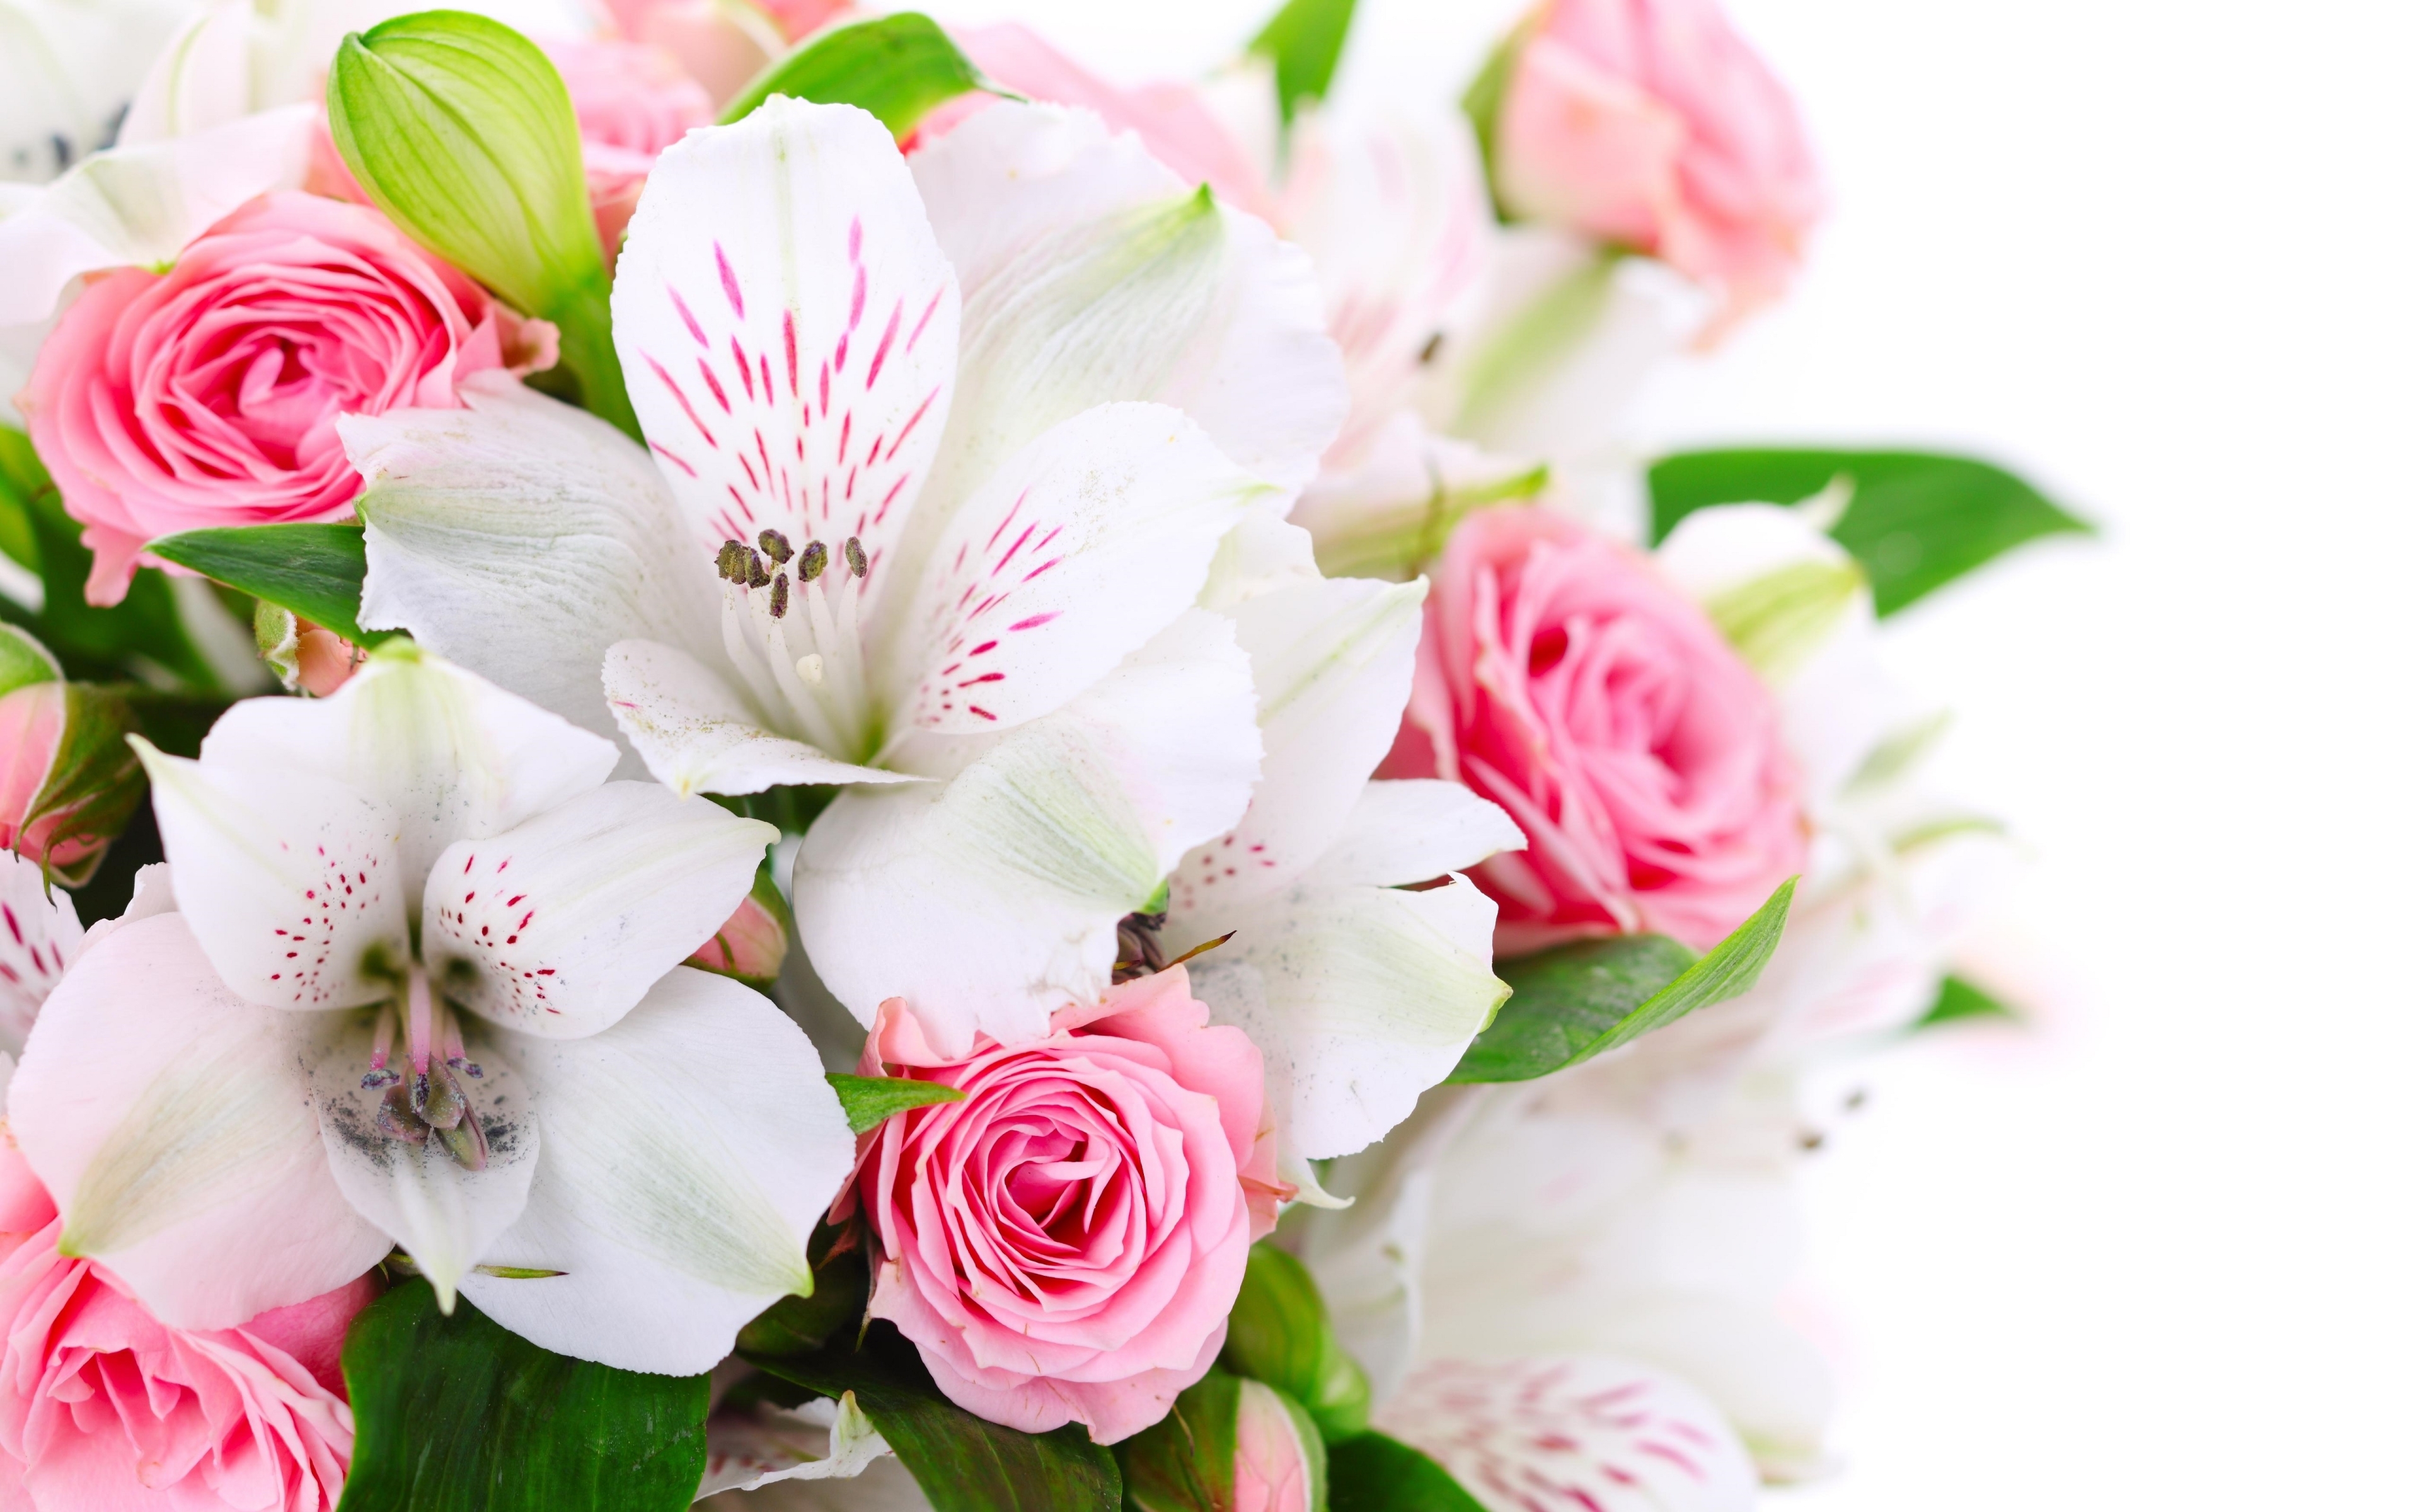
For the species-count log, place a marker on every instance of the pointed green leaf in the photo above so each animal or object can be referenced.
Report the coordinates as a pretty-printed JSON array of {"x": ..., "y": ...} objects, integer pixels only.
[
  {"x": 1961, "y": 1002},
  {"x": 796, "y": 1324},
  {"x": 1278, "y": 1333},
  {"x": 1372, "y": 1473},
  {"x": 963, "y": 1462},
  {"x": 1578, "y": 1001},
  {"x": 460, "y": 130},
  {"x": 1915, "y": 520},
  {"x": 1303, "y": 41},
  {"x": 456, "y": 1415},
  {"x": 895, "y": 68},
  {"x": 313, "y": 570},
  {"x": 869, "y": 1100}
]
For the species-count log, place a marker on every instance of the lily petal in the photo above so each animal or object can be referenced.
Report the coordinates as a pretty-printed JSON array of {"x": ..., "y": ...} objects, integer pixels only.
[
  {"x": 689, "y": 1150},
  {"x": 451, "y": 754},
  {"x": 1360, "y": 998},
  {"x": 1094, "y": 274},
  {"x": 521, "y": 537},
  {"x": 1027, "y": 857},
  {"x": 1085, "y": 546},
  {"x": 289, "y": 879},
  {"x": 1399, "y": 832},
  {"x": 559, "y": 926},
  {"x": 39, "y": 936},
  {"x": 789, "y": 328},
  {"x": 698, "y": 735},
  {"x": 442, "y": 1212},
  {"x": 1332, "y": 666},
  {"x": 173, "y": 1117}
]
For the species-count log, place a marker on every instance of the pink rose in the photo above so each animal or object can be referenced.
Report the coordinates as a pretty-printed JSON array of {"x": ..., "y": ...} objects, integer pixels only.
[
  {"x": 1650, "y": 123},
  {"x": 208, "y": 394},
  {"x": 103, "y": 1407},
  {"x": 1562, "y": 678},
  {"x": 33, "y": 722},
  {"x": 1066, "y": 1243},
  {"x": 68, "y": 779},
  {"x": 749, "y": 944},
  {"x": 633, "y": 101}
]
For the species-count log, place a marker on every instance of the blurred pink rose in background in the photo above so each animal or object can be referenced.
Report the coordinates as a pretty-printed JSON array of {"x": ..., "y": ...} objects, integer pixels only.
[
  {"x": 724, "y": 43},
  {"x": 632, "y": 100},
  {"x": 1562, "y": 678},
  {"x": 103, "y": 1407},
  {"x": 208, "y": 394},
  {"x": 1065, "y": 1244},
  {"x": 1651, "y": 124},
  {"x": 749, "y": 944},
  {"x": 1174, "y": 121}
]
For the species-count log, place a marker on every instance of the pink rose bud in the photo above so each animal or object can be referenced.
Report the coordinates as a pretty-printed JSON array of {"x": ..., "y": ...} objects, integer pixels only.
[
  {"x": 751, "y": 943},
  {"x": 1650, "y": 123},
  {"x": 208, "y": 394},
  {"x": 307, "y": 657},
  {"x": 103, "y": 1406},
  {"x": 632, "y": 100},
  {"x": 68, "y": 779},
  {"x": 1277, "y": 1451},
  {"x": 1561, "y": 677},
  {"x": 1065, "y": 1243}
]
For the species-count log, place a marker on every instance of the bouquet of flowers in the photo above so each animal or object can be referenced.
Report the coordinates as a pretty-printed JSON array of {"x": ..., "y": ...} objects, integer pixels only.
[{"x": 953, "y": 785}]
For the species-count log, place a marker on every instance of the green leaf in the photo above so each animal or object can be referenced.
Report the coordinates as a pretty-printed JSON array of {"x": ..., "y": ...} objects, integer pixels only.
[
  {"x": 460, "y": 130},
  {"x": 895, "y": 68},
  {"x": 141, "y": 637},
  {"x": 869, "y": 1100},
  {"x": 796, "y": 1324},
  {"x": 1961, "y": 1002},
  {"x": 1185, "y": 1462},
  {"x": 1580, "y": 1000},
  {"x": 1304, "y": 40},
  {"x": 456, "y": 1415},
  {"x": 1278, "y": 1333},
  {"x": 313, "y": 571},
  {"x": 1915, "y": 519},
  {"x": 963, "y": 1462},
  {"x": 1372, "y": 1473},
  {"x": 1483, "y": 102}
]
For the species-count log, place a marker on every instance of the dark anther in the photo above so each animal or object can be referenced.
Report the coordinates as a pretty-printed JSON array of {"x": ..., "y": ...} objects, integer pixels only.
[
  {"x": 758, "y": 577},
  {"x": 811, "y": 561},
  {"x": 1138, "y": 951},
  {"x": 376, "y": 1079},
  {"x": 731, "y": 562},
  {"x": 468, "y": 1068},
  {"x": 1428, "y": 347},
  {"x": 856, "y": 555},
  {"x": 780, "y": 594},
  {"x": 776, "y": 546}
]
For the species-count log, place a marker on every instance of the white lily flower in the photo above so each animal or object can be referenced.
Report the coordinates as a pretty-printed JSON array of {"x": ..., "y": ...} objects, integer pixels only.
[
  {"x": 421, "y": 986},
  {"x": 1360, "y": 993},
  {"x": 948, "y": 555}
]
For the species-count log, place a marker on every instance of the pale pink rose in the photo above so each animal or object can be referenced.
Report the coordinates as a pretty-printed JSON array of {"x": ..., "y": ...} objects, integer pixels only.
[
  {"x": 1272, "y": 1454},
  {"x": 33, "y": 721},
  {"x": 1562, "y": 678},
  {"x": 208, "y": 394},
  {"x": 324, "y": 661},
  {"x": 1651, "y": 124},
  {"x": 632, "y": 100},
  {"x": 724, "y": 43},
  {"x": 89, "y": 793},
  {"x": 1066, "y": 1243},
  {"x": 1177, "y": 126},
  {"x": 103, "y": 1407},
  {"x": 749, "y": 946}
]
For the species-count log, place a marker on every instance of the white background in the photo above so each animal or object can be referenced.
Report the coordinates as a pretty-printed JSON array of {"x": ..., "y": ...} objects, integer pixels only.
[{"x": 2166, "y": 259}]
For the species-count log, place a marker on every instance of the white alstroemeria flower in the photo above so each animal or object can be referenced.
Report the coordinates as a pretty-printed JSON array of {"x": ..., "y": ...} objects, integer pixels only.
[
  {"x": 68, "y": 72},
  {"x": 422, "y": 987},
  {"x": 1566, "y": 1218},
  {"x": 1574, "y": 1430},
  {"x": 39, "y": 937},
  {"x": 949, "y": 556},
  {"x": 1360, "y": 993}
]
